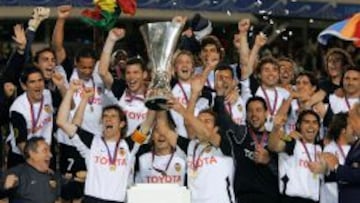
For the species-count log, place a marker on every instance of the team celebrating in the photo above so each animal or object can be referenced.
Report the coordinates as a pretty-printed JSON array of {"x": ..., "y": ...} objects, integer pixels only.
[{"x": 253, "y": 131}]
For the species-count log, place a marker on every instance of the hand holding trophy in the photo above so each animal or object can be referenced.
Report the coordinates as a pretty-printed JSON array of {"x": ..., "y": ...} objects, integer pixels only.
[{"x": 160, "y": 39}]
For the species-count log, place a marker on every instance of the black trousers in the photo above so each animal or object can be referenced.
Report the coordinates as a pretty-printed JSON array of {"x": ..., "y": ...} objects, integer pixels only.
[
  {"x": 287, "y": 199},
  {"x": 89, "y": 199},
  {"x": 257, "y": 198}
]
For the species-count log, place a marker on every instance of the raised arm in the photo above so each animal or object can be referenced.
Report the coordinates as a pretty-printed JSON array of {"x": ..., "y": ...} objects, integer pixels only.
[
  {"x": 63, "y": 13},
  {"x": 260, "y": 41},
  {"x": 241, "y": 41},
  {"x": 87, "y": 95},
  {"x": 104, "y": 64},
  {"x": 64, "y": 111},
  {"x": 276, "y": 142}
]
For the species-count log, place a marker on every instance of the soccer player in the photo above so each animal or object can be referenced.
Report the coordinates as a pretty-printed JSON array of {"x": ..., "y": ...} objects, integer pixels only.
[
  {"x": 299, "y": 164},
  {"x": 341, "y": 135},
  {"x": 129, "y": 93},
  {"x": 159, "y": 161},
  {"x": 211, "y": 166},
  {"x": 110, "y": 155},
  {"x": 31, "y": 114}
]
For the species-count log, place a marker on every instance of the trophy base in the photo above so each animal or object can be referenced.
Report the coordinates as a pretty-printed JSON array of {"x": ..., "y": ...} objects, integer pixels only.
[{"x": 156, "y": 103}]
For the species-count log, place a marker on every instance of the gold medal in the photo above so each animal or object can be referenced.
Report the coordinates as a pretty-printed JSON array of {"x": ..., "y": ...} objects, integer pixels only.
[{"x": 112, "y": 167}]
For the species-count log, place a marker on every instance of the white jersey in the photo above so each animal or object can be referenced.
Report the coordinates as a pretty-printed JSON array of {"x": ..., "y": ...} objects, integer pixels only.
[
  {"x": 135, "y": 110},
  {"x": 341, "y": 104},
  {"x": 104, "y": 181},
  {"x": 329, "y": 191},
  {"x": 301, "y": 181},
  {"x": 183, "y": 95},
  {"x": 274, "y": 98},
  {"x": 44, "y": 124},
  {"x": 168, "y": 168},
  {"x": 92, "y": 115},
  {"x": 210, "y": 174}
]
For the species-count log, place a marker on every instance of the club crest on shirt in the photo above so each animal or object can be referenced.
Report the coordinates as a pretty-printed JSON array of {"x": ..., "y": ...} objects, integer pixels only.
[
  {"x": 52, "y": 184},
  {"x": 121, "y": 151},
  {"x": 355, "y": 165},
  {"x": 47, "y": 108},
  {"x": 239, "y": 107},
  {"x": 177, "y": 167}
]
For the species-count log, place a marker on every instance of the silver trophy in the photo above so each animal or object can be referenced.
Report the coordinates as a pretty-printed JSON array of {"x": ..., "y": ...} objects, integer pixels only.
[{"x": 160, "y": 40}]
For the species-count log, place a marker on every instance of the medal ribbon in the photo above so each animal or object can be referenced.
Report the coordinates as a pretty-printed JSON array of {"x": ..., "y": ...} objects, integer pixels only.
[
  {"x": 258, "y": 142},
  {"x": 341, "y": 151},
  {"x": 228, "y": 108},
  {"x": 112, "y": 159},
  {"x": 195, "y": 162},
  {"x": 183, "y": 92},
  {"x": 163, "y": 172},
  {"x": 307, "y": 151},
  {"x": 91, "y": 100},
  {"x": 347, "y": 103},
  {"x": 271, "y": 109},
  {"x": 34, "y": 121},
  {"x": 131, "y": 97}
]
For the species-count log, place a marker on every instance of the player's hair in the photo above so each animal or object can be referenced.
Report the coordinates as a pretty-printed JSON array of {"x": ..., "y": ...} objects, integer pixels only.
[{"x": 32, "y": 145}]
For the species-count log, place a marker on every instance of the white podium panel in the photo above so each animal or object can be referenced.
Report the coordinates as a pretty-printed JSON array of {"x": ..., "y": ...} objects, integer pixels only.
[{"x": 158, "y": 193}]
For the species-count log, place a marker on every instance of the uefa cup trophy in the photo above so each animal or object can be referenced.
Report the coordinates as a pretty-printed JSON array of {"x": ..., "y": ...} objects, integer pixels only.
[{"x": 160, "y": 40}]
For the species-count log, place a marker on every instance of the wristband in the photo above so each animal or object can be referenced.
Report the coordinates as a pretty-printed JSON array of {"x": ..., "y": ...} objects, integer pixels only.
[{"x": 138, "y": 137}]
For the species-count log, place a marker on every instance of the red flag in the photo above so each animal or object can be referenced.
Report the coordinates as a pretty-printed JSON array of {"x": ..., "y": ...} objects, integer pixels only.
[{"x": 127, "y": 6}]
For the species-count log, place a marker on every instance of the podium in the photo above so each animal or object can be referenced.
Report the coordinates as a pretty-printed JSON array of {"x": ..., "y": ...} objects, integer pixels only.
[{"x": 158, "y": 193}]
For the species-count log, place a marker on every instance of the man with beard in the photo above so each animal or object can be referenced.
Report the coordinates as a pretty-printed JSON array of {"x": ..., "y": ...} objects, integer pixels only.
[
  {"x": 129, "y": 93},
  {"x": 255, "y": 166}
]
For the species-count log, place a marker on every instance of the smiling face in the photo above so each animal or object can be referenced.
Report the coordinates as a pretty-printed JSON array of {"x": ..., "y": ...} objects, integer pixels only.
[
  {"x": 135, "y": 76},
  {"x": 46, "y": 62},
  {"x": 85, "y": 67},
  {"x": 309, "y": 127},
  {"x": 269, "y": 75},
  {"x": 34, "y": 86},
  {"x": 286, "y": 72},
  {"x": 41, "y": 156},
  {"x": 304, "y": 86},
  {"x": 351, "y": 83},
  {"x": 226, "y": 77},
  {"x": 184, "y": 66},
  {"x": 256, "y": 115}
]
